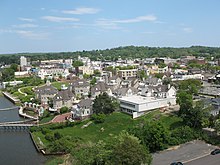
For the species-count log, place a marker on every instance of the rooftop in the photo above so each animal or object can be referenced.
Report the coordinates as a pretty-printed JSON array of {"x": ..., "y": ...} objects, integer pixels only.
[{"x": 138, "y": 99}]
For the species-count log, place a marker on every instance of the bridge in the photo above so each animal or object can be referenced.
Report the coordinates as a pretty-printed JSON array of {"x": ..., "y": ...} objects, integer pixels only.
[
  {"x": 9, "y": 108},
  {"x": 17, "y": 125}
]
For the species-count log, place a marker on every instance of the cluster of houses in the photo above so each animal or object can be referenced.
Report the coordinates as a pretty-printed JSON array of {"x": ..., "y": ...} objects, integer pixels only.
[{"x": 136, "y": 95}]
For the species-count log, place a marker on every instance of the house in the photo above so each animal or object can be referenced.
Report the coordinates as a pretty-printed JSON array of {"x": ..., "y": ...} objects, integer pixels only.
[
  {"x": 45, "y": 93},
  {"x": 153, "y": 81},
  {"x": 82, "y": 110},
  {"x": 150, "y": 99},
  {"x": 86, "y": 70},
  {"x": 63, "y": 98},
  {"x": 130, "y": 82},
  {"x": 114, "y": 81},
  {"x": 80, "y": 88},
  {"x": 160, "y": 91},
  {"x": 126, "y": 92}
]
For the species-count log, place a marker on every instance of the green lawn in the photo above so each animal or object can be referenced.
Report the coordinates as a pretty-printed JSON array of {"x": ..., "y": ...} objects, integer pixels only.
[
  {"x": 112, "y": 126},
  {"x": 58, "y": 84},
  {"x": 46, "y": 119}
]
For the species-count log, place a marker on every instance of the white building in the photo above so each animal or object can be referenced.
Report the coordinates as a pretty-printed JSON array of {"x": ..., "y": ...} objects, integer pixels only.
[
  {"x": 43, "y": 73},
  {"x": 179, "y": 77},
  {"x": 138, "y": 105},
  {"x": 23, "y": 61},
  {"x": 157, "y": 97}
]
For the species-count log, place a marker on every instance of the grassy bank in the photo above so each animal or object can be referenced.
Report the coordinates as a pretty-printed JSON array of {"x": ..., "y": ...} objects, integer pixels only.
[{"x": 113, "y": 125}]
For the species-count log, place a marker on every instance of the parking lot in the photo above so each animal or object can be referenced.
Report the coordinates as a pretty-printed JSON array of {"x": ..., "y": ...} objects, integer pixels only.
[{"x": 186, "y": 153}]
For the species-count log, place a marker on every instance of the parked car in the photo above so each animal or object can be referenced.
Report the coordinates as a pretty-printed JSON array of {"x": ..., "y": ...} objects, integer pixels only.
[
  {"x": 215, "y": 151},
  {"x": 176, "y": 163}
]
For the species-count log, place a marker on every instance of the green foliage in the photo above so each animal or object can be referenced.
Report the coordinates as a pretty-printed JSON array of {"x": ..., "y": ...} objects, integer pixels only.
[
  {"x": 98, "y": 118},
  {"x": 64, "y": 110},
  {"x": 217, "y": 125},
  {"x": 154, "y": 135},
  {"x": 97, "y": 73},
  {"x": 129, "y": 151},
  {"x": 93, "y": 81},
  {"x": 182, "y": 134},
  {"x": 7, "y": 74},
  {"x": 123, "y": 149},
  {"x": 196, "y": 116},
  {"x": 125, "y": 67},
  {"x": 77, "y": 63},
  {"x": 191, "y": 86},
  {"x": 142, "y": 74},
  {"x": 104, "y": 104},
  {"x": 86, "y": 76},
  {"x": 185, "y": 100},
  {"x": 159, "y": 75}
]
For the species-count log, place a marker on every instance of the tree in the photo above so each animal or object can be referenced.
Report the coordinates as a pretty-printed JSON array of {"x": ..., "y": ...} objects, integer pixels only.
[
  {"x": 77, "y": 63},
  {"x": 185, "y": 101},
  {"x": 154, "y": 135},
  {"x": 197, "y": 116},
  {"x": 129, "y": 151},
  {"x": 98, "y": 118},
  {"x": 217, "y": 125},
  {"x": 64, "y": 110},
  {"x": 104, "y": 104},
  {"x": 142, "y": 74},
  {"x": 91, "y": 153},
  {"x": 93, "y": 81},
  {"x": 191, "y": 86}
]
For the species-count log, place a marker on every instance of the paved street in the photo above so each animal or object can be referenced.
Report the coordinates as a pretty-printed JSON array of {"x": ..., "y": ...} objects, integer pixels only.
[
  {"x": 183, "y": 153},
  {"x": 207, "y": 160}
]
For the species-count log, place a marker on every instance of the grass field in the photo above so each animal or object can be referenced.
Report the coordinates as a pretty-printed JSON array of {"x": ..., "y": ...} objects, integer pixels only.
[
  {"x": 113, "y": 125},
  {"x": 58, "y": 84}
]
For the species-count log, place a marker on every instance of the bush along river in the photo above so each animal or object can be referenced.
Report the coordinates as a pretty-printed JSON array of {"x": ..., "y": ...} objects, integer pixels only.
[{"x": 16, "y": 144}]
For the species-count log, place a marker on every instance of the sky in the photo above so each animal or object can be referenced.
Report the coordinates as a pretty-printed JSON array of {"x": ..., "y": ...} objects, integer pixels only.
[{"x": 76, "y": 25}]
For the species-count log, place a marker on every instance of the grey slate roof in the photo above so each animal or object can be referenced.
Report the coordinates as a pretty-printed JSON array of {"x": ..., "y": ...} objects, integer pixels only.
[
  {"x": 86, "y": 103},
  {"x": 64, "y": 95},
  {"x": 123, "y": 91},
  {"x": 46, "y": 90},
  {"x": 99, "y": 87},
  {"x": 80, "y": 83}
]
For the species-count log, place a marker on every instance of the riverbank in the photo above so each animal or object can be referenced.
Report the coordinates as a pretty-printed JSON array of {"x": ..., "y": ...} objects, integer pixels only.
[{"x": 11, "y": 98}]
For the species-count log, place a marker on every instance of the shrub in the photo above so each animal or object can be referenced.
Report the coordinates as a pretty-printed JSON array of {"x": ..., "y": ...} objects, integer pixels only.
[{"x": 98, "y": 118}]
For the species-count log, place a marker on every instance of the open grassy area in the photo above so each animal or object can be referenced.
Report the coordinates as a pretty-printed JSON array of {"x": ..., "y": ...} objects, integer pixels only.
[
  {"x": 112, "y": 126},
  {"x": 46, "y": 119},
  {"x": 58, "y": 84}
]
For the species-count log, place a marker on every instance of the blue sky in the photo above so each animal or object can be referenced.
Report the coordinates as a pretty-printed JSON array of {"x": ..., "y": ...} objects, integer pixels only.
[{"x": 75, "y": 25}]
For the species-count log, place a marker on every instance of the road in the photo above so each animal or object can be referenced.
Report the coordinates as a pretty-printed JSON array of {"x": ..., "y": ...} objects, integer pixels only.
[
  {"x": 207, "y": 160},
  {"x": 184, "y": 153}
]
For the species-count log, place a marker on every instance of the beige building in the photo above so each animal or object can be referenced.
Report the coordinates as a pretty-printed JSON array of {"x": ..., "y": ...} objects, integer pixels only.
[{"x": 125, "y": 74}]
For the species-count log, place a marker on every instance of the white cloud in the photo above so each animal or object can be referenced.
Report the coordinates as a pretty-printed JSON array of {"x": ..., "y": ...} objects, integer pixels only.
[
  {"x": 59, "y": 19},
  {"x": 106, "y": 24},
  {"x": 138, "y": 19},
  {"x": 32, "y": 35},
  {"x": 82, "y": 10},
  {"x": 148, "y": 32},
  {"x": 188, "y": 30},
  {"x": 26, "y": 19},
  {"x": 25, "y": 26}
]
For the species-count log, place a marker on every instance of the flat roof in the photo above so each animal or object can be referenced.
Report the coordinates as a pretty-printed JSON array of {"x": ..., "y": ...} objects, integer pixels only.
[{"x": 138, "y": 99}]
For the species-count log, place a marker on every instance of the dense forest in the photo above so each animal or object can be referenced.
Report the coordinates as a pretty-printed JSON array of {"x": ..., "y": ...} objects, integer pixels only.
[{"x": 114, "y": 53}]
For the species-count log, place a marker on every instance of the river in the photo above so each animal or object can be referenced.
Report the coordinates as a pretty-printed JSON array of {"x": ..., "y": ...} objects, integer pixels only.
[{"x": 16, "y": 145}]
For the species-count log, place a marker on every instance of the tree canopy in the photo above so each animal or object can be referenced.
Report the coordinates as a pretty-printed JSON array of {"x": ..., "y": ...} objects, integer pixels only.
[{"x": 104, "y": 104}]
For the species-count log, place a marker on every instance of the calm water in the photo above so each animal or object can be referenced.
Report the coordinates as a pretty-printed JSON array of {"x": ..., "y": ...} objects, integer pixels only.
[
  {"x": 8, "y": 115},
  {"x": 16, "y": 146}
]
